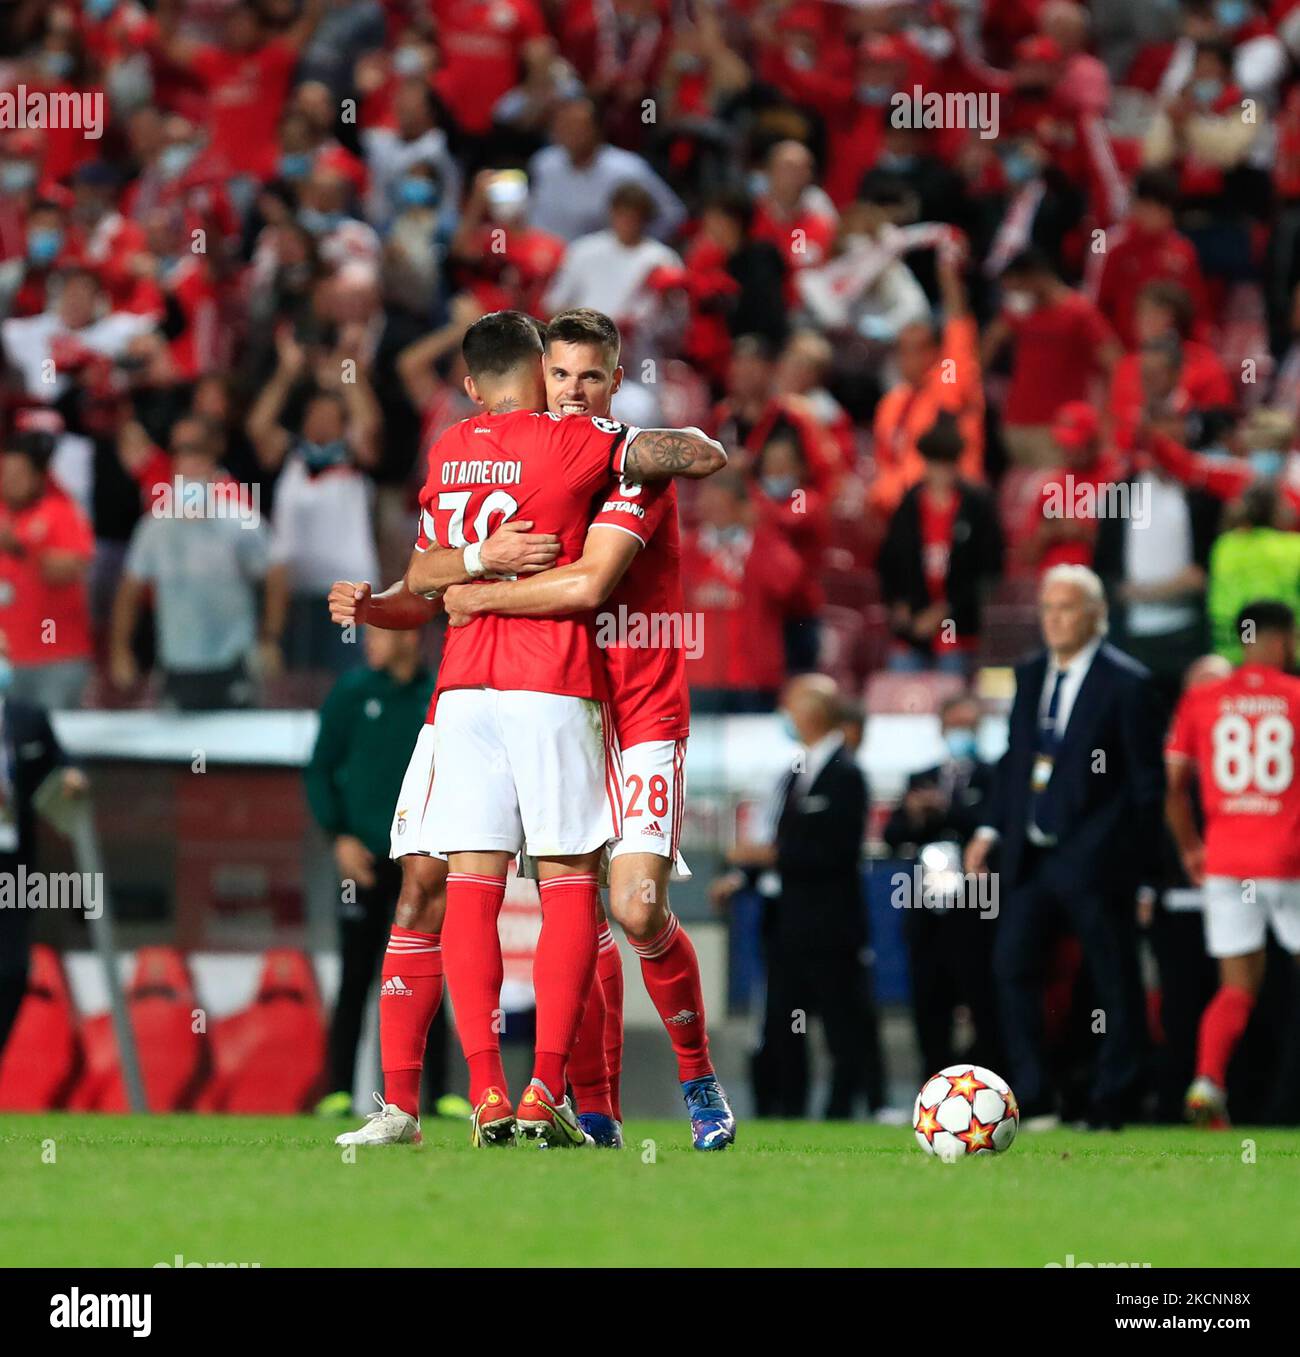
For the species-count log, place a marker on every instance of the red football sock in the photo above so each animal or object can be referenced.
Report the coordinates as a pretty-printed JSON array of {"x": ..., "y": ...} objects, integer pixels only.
[
  {"x": 472, "y": 957},
  {"x": 587, "y": 1072},
  {"x": 671, "y": 972},
  {"x": 1222, "y": 1024},
  {"x": 609, "y": 972},
  {"x": 409, "y": 995},
  {"x": 564, "y": 966}
]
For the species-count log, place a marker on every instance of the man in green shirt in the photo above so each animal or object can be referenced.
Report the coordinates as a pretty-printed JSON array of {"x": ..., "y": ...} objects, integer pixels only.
[{"x": 368, "y": 726}]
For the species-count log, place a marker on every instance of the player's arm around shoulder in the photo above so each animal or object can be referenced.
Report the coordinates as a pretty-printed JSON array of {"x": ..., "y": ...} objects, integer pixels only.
[
  {"x": 578, "y": 587},
  {"x": 657, "y": 454}
]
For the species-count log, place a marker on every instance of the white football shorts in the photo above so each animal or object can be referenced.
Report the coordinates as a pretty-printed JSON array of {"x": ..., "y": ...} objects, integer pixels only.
[
  {"x": 654, "y": 796},
  {"x": 1238, "y": 913},
  {"x": 411, "y": 820},
  {"x": 537, "y": 771}
]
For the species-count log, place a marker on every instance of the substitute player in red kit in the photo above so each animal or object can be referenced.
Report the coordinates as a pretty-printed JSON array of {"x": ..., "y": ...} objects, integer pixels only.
[
  {"x": 630, "y": 569},
  {"x": 1236, "y": 738},
  {"x": 522, "y": 738}
]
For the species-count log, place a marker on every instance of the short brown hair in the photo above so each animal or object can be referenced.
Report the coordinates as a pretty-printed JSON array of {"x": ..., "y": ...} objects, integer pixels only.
[{"x": 583, "y": 325}]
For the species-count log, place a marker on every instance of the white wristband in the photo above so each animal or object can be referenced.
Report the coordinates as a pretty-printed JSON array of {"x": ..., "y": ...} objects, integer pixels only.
[{"x": 474, "y": 560}]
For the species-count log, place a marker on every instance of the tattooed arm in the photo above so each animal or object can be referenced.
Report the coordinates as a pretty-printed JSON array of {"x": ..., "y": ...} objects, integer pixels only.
[{"x": 657, "y": 454}]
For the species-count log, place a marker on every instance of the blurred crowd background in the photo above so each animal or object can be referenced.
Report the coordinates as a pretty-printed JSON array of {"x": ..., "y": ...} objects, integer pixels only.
[
  {"x": 918, "y": 337},
  {"x": 905, "y": 334}
]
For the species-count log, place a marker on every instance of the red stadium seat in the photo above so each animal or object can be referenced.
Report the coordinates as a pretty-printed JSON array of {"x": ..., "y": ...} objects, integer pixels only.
[
  {"x": 42, "y": 1056},
  {"x": 162, "y": 1006},
  {"x": 270, "y": 1058}
]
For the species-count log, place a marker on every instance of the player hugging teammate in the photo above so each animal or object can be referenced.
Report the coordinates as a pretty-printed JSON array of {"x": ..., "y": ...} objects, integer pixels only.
[{"x": 544, "y": 742}]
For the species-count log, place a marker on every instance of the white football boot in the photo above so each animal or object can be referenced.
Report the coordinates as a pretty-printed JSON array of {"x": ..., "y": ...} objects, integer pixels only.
[{"x": 389, "y": 1126}]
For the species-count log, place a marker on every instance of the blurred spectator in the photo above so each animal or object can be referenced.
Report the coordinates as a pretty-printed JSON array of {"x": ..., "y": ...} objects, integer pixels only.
[
  {"x": 1197, "y": 385},
  {"x": 1063, "y": 347},
  {"x": 484, "y": 47},
  {"x": 573, "y": 179},
  {"x": 741, "y": 579},
  {"x": 1062, "y": 522},
  {"x": 1153, "y": 553},
  {"x": 245, "y": 81},
  {"x": 1255, "y": 558},
  {"x": 950, "y": 950},
  {"x": 367, "y": 726},
  {"x": 415, "y": 141},
  {"x": 29, "y": 755},
  {"x": 616, "y": 271},
  {"x": 814, "y": 930},
  {"x": 201, "y": 553},
  {"x": 789, "y": 501},
  {"x": 1145, "y": 248},
  {"x": 791, "y": 211},
  {"x": 942, "y": 550},
  {"x": 734, "y": 280},
  {"x": 940, "y": 373},
  {"x": 321, "y": 522},
  {"x": 505, "y": 261},
  {"x": 25, "y": 278},
  {"x": 46, "y": 547}
]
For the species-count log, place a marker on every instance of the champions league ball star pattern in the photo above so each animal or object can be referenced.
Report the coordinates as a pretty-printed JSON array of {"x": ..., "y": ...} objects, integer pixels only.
[{"x": 965, "y": 1109}]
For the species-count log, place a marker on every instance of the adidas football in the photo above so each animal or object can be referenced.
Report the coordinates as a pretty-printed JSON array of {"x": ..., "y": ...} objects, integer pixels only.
[{"x": 965, "y": 1109}]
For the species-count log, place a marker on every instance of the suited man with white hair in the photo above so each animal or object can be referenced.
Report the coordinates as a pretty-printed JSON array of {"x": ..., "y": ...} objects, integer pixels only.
[{"x": 1077, "y": 811}]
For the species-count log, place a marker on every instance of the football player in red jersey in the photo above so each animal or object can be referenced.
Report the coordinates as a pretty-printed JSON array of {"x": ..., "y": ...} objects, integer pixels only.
[
  {"x": 521, "y": 711},
  {"x": 1236, "y": 738},
  {"x": 414, "y": 950},
  {"x": 630, "y": 569}
]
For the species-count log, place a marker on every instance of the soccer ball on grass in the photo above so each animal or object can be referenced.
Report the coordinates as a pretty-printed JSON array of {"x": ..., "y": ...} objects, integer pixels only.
[{"x": 965, "y": 1109}]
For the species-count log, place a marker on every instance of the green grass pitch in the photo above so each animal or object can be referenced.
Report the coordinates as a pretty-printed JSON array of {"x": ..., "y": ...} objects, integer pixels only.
[{"x": 138, "y": 1191}]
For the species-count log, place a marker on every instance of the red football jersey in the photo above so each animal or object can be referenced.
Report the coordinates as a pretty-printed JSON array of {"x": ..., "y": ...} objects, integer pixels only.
[
  {"x": 1240, "y": 732},
  {"x": 643, "y": 626},
  {"x": 490, "y": 468}
]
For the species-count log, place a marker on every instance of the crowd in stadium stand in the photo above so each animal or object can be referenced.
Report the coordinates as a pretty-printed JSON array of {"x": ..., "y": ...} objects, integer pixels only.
[{"x": 920, "y": 329}]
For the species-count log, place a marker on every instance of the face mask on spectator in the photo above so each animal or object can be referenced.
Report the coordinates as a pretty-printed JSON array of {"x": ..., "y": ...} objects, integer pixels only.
[
  {"x": 779, "y": 487},
  {"x": 6, "y": 675},
  {"x": 1267, "y": 463},
  {"x": 1019, "y": 168},
  {"x": 961, "y": 743},
  {"x": 407, "y": 61},
  {"x": 295, "y": 165},
  {"x": 17, "y": 176},
  {"x": 873, "y": 95},
  {"x": 788, "y": 727},
  {"x": 416, "y": 191},
  {"x": 320, "y": 456},
  {"x": 1017, "y": 303},
  {"x": 317, "y": 222},
  {"x": 175, "y": 160},
  {"x": 98, "y": 9},
  {"x": 57, "y": 65},
  {"x": 43, "y": 246},
  {"x": 1205, "y": 92},
  {"x": 1230, "y": 13},
  {"x": 130, "y": 83}
]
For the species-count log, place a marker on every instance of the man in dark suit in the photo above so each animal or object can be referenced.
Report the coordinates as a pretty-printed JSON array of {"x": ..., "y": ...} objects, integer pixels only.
[
  {"x": 29, "y": 752},
  {"x": 950, "y": 951},
  {"x": 815, "y": 928},
  {"x": 1077, "y": 812}
]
